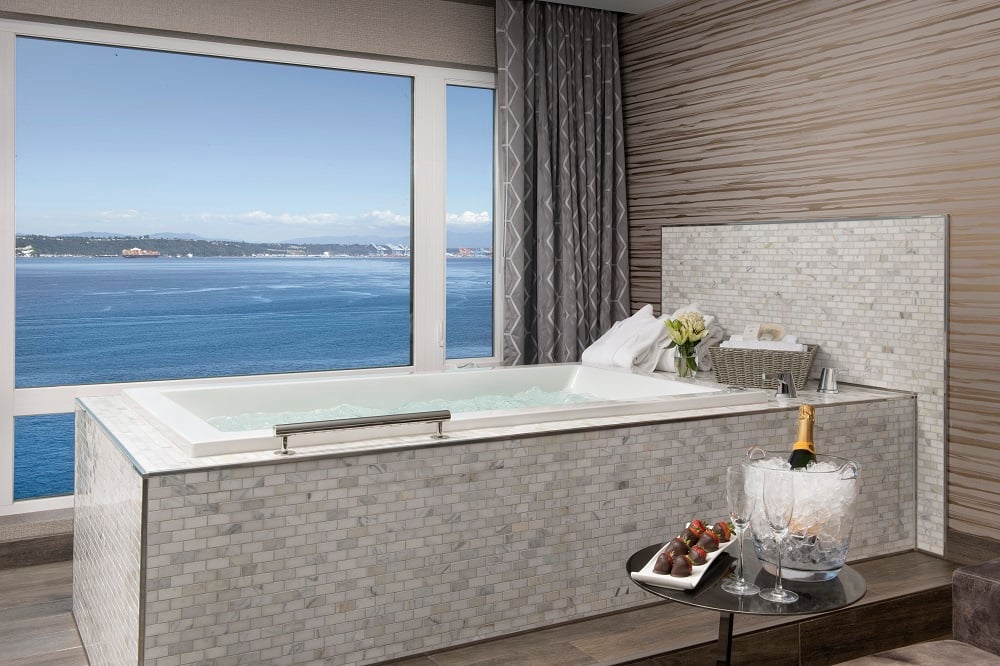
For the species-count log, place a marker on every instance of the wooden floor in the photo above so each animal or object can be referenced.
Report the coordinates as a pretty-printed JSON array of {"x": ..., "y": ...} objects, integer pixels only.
[
  {"x": 37, "y": 627},
  {"x": 36, "y": 623}
]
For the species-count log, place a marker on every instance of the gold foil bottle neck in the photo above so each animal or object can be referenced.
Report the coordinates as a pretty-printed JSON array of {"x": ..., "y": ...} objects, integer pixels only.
[{"x": 807, "y": 417}]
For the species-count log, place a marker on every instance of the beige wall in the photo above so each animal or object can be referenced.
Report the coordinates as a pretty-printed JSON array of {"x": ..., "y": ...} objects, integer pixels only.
[
  {"x": 441, "y": 31},
  {"x": 784, "y": 109}
]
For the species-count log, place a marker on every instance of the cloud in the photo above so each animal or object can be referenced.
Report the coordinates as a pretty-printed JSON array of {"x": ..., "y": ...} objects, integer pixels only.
[
  {"x": 263, "y": 217},
  {"x": 386, "y": 217},
  {"x": 469, "y": 218},
  {"x": 378, "y": 218},
  {"x": 129, "y": 214}
]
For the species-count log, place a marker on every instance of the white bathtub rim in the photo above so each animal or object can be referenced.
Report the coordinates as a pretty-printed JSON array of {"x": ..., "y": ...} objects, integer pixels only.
[{"x": 198, "y": 439}]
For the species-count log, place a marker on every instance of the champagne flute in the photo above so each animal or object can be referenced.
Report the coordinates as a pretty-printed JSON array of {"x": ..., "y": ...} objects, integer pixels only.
[
  {"x": 779, "y": 503},
  {"x": 741, "y": 505}
]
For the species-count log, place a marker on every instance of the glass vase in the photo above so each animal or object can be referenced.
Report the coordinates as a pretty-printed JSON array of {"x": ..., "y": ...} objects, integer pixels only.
[{"x": 685, "y": 363}]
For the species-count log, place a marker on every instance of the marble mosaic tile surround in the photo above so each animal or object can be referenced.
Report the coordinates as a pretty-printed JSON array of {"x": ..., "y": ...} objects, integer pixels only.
[
  {"x": 107, "y": 547},
  {"x": 871, "y": 293},
  {"x": 365, "y": 557}
]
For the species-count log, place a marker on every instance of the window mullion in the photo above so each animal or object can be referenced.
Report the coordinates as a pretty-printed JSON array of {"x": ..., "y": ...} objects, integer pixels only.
[
  {"x": 428, "y": 226},
  {"x": 7, "y": 268}
]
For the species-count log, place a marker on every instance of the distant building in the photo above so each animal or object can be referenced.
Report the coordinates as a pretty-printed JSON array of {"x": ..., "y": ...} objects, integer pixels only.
[
  {"x": 139, "y": 253},
  {"x": 389, "y": 250}
]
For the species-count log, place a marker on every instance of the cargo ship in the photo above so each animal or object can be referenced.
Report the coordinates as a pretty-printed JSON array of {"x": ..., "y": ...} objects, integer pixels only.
[{"x": 139, "y": 253}]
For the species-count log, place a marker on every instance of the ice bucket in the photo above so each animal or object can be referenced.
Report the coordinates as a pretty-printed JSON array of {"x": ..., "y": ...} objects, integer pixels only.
[{"x": 820, "y": 535}]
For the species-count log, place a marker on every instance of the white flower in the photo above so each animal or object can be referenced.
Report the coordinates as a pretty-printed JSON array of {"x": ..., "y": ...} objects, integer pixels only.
[{"x": 687, "y": 329}]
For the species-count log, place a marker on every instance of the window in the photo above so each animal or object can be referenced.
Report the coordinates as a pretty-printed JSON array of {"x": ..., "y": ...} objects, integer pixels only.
[
  {"x": 187, "y": 211},
  {"x": 470, "y": 222}
]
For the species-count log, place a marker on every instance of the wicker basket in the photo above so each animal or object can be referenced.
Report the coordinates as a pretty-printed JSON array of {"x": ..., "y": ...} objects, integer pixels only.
[{"x": 746, "y": 367}]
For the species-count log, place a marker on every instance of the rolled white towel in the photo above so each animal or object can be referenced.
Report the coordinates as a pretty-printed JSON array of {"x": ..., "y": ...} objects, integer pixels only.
[{"x": 642, "y": 350}]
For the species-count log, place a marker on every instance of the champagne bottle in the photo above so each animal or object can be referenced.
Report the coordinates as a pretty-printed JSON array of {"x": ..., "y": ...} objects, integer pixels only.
[{"x": 803, "y": 451}]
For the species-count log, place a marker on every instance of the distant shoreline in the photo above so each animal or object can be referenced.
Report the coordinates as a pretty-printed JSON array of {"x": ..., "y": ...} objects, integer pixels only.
[
  {"x": 38, "y": 246},
  {"x": 255, "y": 256}
]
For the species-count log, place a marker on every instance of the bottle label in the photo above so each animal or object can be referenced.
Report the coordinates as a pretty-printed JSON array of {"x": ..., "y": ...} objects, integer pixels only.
[{"x": 808, "y": 446}]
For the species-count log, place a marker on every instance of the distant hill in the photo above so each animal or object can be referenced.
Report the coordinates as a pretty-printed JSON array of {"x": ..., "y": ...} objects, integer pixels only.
[
  {"x": 92, "y": 234},
  {"x": 181, "y": 236},
  {"x": 184, "y": 235}
]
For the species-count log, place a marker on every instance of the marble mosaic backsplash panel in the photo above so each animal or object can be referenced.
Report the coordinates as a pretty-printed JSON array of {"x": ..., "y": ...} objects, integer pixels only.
[
  {"x": 359, "y": 559},
  {"x": 107, "y": 547},
  {"x": 871, "y": 293}
]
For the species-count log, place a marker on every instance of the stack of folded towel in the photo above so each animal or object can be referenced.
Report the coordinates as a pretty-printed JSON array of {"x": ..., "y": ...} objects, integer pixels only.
[
  {"x": 786, "y": 343},
  {"x": 714, "y": 337},
  {"x": 634, "y": 343}
]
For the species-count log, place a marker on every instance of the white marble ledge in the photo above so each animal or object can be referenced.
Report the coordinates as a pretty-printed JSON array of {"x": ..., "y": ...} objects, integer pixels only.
[{"x": 149, "y": 447}]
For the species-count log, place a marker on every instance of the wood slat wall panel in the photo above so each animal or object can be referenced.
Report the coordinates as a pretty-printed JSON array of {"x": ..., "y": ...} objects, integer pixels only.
[{"x": 768, "y": 110}]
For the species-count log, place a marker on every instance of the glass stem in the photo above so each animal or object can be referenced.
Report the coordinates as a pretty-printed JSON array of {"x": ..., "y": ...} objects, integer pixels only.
[
  {"x": 739, "y": 565},
  {"x": 777, "y": 543}
]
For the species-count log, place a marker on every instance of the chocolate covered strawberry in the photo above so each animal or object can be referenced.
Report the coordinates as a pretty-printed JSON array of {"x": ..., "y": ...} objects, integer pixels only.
[
  {"x": 723, "y": 530},
  {"x": 663, "y": 564},
  {"x": 709, "y": 541},
  {"x": 677, "y": 547},
  {"x": 697, "y": 527},
  {"x": 681, "y": 566},
  {"x": 698, "y": 555}
]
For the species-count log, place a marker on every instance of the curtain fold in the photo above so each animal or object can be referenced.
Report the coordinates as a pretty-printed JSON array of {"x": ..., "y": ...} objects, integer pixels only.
[{"x": 562, "y": 172}]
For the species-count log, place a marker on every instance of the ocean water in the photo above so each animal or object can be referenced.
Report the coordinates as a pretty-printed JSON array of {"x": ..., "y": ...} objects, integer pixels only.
[{"x": 97, "y": 320}]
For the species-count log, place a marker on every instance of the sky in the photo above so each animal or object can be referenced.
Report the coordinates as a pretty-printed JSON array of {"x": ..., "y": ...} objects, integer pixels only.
[{"x": 139, "y": 142}]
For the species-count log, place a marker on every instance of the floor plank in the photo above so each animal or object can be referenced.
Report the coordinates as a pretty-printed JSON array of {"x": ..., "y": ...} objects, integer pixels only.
[
  {"x": 41, "y": 583},
  {"x": 37, "y": 627},
  {"x": 641, "y": 635},
  {"x": 36, "y": 619},
  {"x": 72, "y": 657}
]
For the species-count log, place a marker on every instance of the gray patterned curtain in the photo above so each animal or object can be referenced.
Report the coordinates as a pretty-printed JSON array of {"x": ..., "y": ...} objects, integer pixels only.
[{"x": 562, "y": 168}]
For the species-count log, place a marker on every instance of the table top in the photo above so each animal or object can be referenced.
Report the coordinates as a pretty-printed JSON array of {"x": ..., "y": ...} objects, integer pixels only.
[{"x": 814, "y": 597}]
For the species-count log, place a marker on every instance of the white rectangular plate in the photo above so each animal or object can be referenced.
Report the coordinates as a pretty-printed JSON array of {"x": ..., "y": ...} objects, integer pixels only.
[{"x": 646, "y": 574}]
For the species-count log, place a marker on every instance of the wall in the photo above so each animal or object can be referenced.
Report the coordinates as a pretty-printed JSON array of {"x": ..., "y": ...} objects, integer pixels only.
[
  {"x": 767, "y": 110},
  {"x": 440, "y": 31}
]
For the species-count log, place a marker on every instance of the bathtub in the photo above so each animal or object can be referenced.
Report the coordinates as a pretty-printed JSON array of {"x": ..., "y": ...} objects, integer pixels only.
[{"x": 192, "y": 415}]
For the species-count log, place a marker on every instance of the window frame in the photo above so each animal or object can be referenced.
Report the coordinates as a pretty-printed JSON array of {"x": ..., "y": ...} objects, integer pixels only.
[{"x": 428, "y": 222}]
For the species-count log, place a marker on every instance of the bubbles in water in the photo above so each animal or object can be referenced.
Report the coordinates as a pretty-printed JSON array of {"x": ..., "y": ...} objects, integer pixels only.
[{"x": 532, "y": 397}]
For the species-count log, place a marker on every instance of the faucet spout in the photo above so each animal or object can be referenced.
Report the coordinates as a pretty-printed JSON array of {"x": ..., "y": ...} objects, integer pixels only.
[{"x": 786, "y": 385}]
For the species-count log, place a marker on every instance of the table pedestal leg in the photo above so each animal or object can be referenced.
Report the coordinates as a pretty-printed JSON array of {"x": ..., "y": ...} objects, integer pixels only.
[{"x": 725, "y": 639}]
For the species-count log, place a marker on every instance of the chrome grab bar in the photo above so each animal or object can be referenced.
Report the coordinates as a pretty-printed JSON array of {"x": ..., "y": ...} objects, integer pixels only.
[{"x": 284, "y": 430}]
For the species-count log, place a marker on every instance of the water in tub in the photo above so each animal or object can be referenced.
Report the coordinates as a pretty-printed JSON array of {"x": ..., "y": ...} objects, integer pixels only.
[
  {"x": 532, "y": 397},
  {"x": 219, "y": 419}
]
